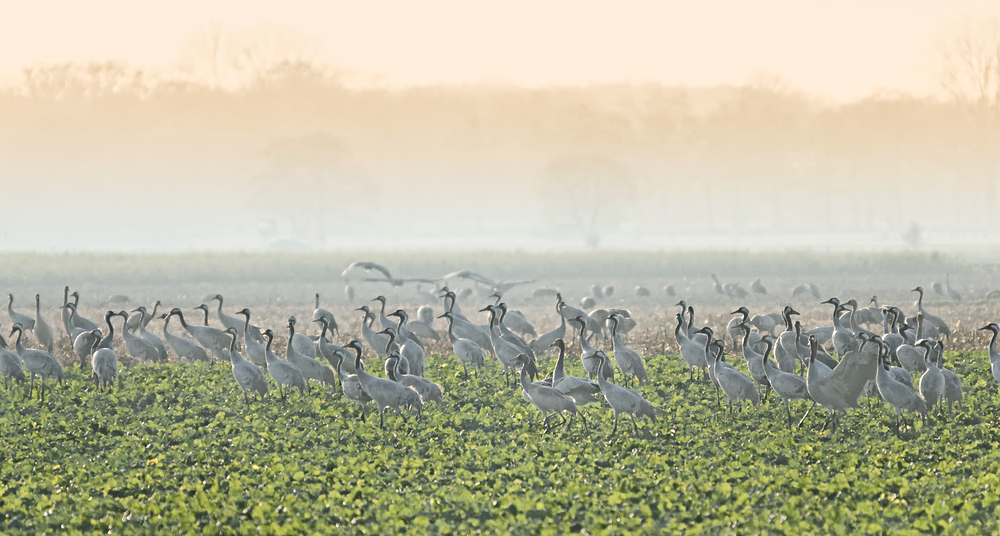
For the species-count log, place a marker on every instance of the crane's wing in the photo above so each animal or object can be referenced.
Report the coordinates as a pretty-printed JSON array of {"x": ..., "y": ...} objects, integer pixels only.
[
  {"x": 417, "y": 280},
  {"x": 466, "y": 274},
  {"x": 850, "y": 375},
  {"x": 571, "y": 384},
  {"x": 368, "y": 266}
]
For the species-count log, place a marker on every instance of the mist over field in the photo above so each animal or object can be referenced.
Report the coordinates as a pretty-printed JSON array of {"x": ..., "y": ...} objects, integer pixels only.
[{"x": 250, "y": 142}]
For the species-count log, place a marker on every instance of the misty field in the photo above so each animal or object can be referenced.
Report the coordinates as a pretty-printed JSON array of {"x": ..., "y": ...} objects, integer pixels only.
[{"x": 174, "y": 448}]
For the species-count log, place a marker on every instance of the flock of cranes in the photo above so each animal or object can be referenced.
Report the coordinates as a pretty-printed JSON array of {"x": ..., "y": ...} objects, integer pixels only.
[{"x": 831, "y": 366}]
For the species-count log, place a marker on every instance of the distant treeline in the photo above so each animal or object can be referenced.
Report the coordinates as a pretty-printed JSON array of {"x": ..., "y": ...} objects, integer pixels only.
[{"x": 300, "y": 153}]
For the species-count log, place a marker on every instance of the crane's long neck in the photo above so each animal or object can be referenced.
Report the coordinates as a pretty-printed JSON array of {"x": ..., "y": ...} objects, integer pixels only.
[
  {"x": 524, "y": 378},
  {"x": 10, "y": 303},
  {"x": 166, "y": 324},
  {"x": 451, "y": 330},
  {"x": 267, "y": 349},
  {"x": 854, "y": 320},
  {"x": 690, "y": 323},
  {"x": 322, "y": 335},
  {"x": 920, "y": 300},
  {"x": 559, "y": 372},
  {"x": 769, "y": 345},
  {"x": 788, "y": 319},
  {"x": 317, "y": 300},
  {"x": 38, "y": 307},
  {"x": 219, "y": 310},
  {"x": 65, "y": 295},
  {"x": 993, "y": 341},
  {"x": 601, "y": 380},
  {"x": 152, "y": 315},
  {"x": 180, "y": 315},
  {"x": 583, "y": 338},
  {"x": 17, "y": 341},
  {"x": 836, "y": 318},
  {"x": 680, "y": 331},
  {"x": 206, "y": 315},
  {"x": 920, "y": 327},
  {"x": 291, "y": 335},
  {"x": 246, "y": 326}
]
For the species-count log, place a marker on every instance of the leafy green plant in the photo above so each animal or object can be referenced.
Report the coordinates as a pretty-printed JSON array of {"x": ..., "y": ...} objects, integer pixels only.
[{"x": 175, "y": 449}]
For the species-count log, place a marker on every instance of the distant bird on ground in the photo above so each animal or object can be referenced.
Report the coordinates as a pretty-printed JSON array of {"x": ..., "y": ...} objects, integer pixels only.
[
  {"x": 757, "y": 287},
  {"x": 952, "y": 293},
  {"x": 104, "y": 362},
  {"x": 993, "y": 328}
]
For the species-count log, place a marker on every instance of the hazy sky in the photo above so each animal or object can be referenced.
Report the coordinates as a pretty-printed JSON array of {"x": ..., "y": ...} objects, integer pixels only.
[{"x": 844, "y": 49}]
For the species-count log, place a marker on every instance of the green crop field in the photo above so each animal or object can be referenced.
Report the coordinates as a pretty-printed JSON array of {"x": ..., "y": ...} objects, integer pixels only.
[{"x": 174, "y": 449}]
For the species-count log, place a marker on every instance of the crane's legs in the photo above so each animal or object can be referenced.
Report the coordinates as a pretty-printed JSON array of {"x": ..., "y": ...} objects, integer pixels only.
[
  {"x": 615, "y": 427},
  {"x": 43, "y": 389},
  {"x": 635, "y": 428},
  {"x": 807, "y": 414},
  {"x": 789, "y": 410}
]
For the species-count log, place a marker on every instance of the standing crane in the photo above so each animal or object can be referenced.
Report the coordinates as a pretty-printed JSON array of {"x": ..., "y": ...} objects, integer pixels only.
[
  {"x": 25, "y": 321},
  {"x": 213, "y": 340},
  {"x": 994, "y": 354},
  {"x": 249, "y": 376},
  {"x": 43, "y": 331},
  {"x": 284, "y": 373},
  {"x": 350, "y": 383},
  {"x": 548, "y": 400},
  {"x": 467, "y": 352},
  {"x": 840, "y": 389},
  {"x": 310, "y": 368},
  {"x": 104, "y": 362},
  {"x": 11, "y": 367},
  {"x": 629, "y": 361},
  {"x": 386, "y": 393},
  {"x": 38, "y": 362},
  {"x": 786, "y": 385},
  {"x": 624, "y": 400},
  {"x": 900, "y": 396},
  {"x": 184, "y": 348}
]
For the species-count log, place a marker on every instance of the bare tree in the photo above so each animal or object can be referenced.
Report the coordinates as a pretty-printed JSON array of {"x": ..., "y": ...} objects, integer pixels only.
[
  {"x": 970, "y": 64},
  {"x": 589, "y": 194},
  {"x": 247, "y": 57}
]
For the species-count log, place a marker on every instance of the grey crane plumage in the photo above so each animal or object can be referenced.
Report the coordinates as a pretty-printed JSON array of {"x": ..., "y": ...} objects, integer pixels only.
[
  {"x": 285, "y": 374},
  {"x": 184, "y": 348},
  {"x": 11, "y": 367},
  {"x": 548, "y": 400},
  {"x": 248, "y": 376},
  {"x": 901, "y": 396},
  {"x": 43, "y": 331},
  {"x": 993, "y": 353},
  {"x": 624, "y": 400},
  {"x": 84, "y": 343},
  {"x": 212, "y": 339},
  {"x": 467, "y": 352},
  {"x": 581, "y": 390},
  {"x": 840, "y": 389},
  {"x": 23, "y": 320},
  {"x": 628, "y": 360},
  {"x": 386, "y": 393},
  {"x": 350, "y": 383},
  {"x": 786, "y": 385},
  {"x": 308, "y": 366},
  {"x": 38, "y": 362},
  {"x": 104, "y": 363}
]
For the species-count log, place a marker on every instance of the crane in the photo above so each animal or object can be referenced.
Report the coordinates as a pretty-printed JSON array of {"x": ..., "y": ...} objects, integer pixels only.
[
  {"x": 310, "y": 368},
  {"x": 43, "y": 331},
  {"x": 249, "y": 376},
  {"x": 629, "y": 361},
  {"x": 255, "y": 350},
  {"x": 624, "y": 400},
  {"x": 184, "y": 348},
  {"x": 931, "y": 383},
  {"x": 25, "y": 321},
  {"x": 386, "y": 393},
  {"x": 588, "y": 354},
  {"x": 11, "y": 367},
  {"x": 994, "y": 355},
  {"x": 581, "y": 390},
  {"x": 840, "y": 389},
  {"x": 548, "y": 400},
  {"x": 467, "y": 352},
  {"x": 786, "y": 385},
  {"x": 900, "y": 396},
  {"x": 38, "y": 362},
  {"x": 284, "y": 373},
  {"x": 212, "y": 339},
  {"x": 104, "y": 362},
  {"x": 350, "y": 383}
]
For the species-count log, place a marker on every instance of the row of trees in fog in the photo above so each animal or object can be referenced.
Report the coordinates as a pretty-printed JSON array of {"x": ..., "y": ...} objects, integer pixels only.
[{"x": 254, "y": 114}]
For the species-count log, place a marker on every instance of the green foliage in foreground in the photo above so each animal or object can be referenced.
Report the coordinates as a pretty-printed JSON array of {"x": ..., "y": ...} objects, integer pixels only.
[{"x": 175, "y": 449}]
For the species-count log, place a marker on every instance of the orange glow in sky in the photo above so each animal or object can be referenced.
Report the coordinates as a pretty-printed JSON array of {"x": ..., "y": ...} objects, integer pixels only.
[{"x": 845, "y": 49}]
